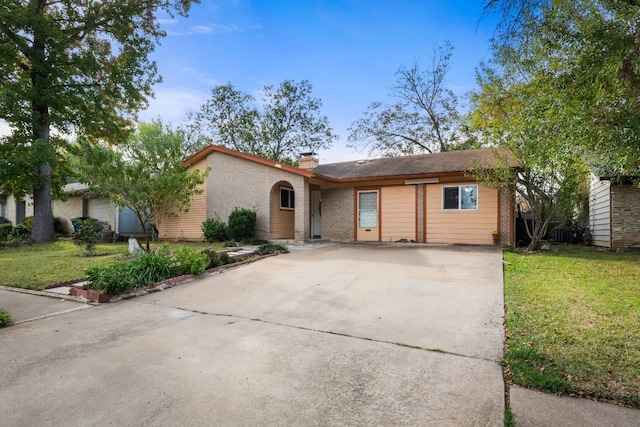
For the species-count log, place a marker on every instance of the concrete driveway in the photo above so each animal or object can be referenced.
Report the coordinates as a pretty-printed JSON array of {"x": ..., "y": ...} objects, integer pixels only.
[{"x": 343, "y": 335}]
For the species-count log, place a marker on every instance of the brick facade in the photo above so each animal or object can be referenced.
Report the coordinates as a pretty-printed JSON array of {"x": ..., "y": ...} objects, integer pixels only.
[
  {"x": 237, "y": 182},
  {"x": 338, "y": 214},
  {"x": 625, "y": 222},
  {"x": 507, "y": 222}
]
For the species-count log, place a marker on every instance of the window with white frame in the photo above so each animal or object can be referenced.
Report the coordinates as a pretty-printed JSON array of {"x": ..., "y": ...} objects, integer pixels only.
[
  {"x": 287, "y": 198},
  {"x": 460, "y": 197}
]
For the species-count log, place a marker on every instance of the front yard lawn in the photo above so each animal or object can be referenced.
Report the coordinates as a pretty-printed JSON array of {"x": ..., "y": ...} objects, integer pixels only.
[
  {"x": 573, "y": 322},
  {"x": 37, "y": 265}
]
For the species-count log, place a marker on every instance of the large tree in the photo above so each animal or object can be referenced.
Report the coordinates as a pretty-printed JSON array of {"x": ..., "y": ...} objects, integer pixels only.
[
  {"x": 519, "y": 115},
  {"x": 286, "y": 121},
  {"x": 424, "y": 119},
  {"x": 145, "y": 174},
  {"x": 70, "y": 66},
  {"x": 588, "y": 53}
]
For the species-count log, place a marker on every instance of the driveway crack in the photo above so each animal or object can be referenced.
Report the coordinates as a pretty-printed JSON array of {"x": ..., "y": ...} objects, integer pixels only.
[{"x": 342, "y": 334}]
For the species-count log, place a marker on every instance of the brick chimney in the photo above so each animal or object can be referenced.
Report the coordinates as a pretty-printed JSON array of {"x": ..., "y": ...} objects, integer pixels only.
[{"x": 308, "y": 161}]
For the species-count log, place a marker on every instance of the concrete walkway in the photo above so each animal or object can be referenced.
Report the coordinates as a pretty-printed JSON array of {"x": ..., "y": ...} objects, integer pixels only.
[{"x": 25, "y": 306}]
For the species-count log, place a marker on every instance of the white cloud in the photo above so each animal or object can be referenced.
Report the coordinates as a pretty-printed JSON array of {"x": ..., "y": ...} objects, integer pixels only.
[
  {"x": 173, "y": 104},
  {"x": 167, "y": 21},
  {"x": 201, "y": 29}
]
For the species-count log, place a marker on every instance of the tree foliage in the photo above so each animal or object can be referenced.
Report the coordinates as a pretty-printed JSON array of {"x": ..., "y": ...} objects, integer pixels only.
[
  {"x": 425, "y": 118},
  {"x": 70, "y": 66},
  {"x": 286, "y": 121},
  {"x": 145, "y": 174},
  {"x": 588, "y": 53}
]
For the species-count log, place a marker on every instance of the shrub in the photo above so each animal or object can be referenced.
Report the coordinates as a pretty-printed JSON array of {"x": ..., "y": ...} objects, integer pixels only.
[
  {"x": 59, "y": 225},
  {"x": 190, "y": 261},
  {"x": 5, "y": 231},
  {"x": 112, "y": 279},
  {"x": 19, "y": 233},
  {"x": 242, "y": 224},
  {"x": 4, "y": 220},
  {"x": 271, "y": 248},
  {"x": 149, "y": 268},
  {"x": 88, "y": 234},
  {"x": 28, "y": 222},
  {"x": 5, "y": 318},
  {"x": 216, "y": 259},
  {"x": 214, "y": 230}
]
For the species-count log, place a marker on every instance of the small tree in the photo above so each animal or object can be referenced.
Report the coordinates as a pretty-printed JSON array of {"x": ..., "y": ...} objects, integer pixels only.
[
  {"x": 89, "y": 233},
  {"x": 145, "y": 174}
]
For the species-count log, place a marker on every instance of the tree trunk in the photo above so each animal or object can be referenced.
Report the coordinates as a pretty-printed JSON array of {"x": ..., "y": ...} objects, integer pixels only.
[
  {"x": 42, "y": 196},
  {"x": 43, "y": 230}
]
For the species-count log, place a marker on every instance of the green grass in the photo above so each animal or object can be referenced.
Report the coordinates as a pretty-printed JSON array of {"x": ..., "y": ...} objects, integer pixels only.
[
  {"x": 37, "y": 265},
  {"x": 5, "y": 318},
  {"x": 573, "y": 322}
]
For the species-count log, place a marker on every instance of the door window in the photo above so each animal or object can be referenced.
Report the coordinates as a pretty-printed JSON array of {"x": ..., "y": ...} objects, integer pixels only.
[{"x": 368, "y": 209}]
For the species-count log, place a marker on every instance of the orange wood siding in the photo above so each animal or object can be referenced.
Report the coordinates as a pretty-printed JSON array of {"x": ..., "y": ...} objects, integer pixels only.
[
  {"x": 188, "y": 225},
  {"x": 398, "y": 213},
  {"x": 282, "y": 220},
  {"x": 461, "y": 226}
]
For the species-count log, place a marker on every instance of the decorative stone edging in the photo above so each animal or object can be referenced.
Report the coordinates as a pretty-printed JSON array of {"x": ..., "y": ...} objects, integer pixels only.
[{"x": 101, "y": 297}]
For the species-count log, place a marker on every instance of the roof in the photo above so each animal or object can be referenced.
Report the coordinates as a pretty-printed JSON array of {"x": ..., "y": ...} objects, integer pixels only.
[
  {"x": 216, "y": 148},
  {"x": 405, "y": 166},
  {"x": 422, "y": 165}
]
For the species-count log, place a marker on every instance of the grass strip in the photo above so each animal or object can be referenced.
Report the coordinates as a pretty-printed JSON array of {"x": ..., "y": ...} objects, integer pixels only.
[{"x": 573, "y": 319}]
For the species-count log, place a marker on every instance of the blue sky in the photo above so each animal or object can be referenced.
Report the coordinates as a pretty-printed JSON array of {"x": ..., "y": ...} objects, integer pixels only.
[{"x": 348, "y": 50}]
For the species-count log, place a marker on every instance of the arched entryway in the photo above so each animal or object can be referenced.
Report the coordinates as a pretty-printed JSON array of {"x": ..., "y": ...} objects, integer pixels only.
[{"x": 283, "y": 217}]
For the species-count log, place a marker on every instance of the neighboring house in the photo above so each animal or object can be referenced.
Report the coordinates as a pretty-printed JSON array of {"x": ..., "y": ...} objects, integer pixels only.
[
  {"x": 77, "y": 204},
  {"x": 613, "y": 213},
  {"x": 424, "y": 198}
]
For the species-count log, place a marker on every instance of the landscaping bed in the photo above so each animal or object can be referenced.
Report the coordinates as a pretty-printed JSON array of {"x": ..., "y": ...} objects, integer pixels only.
[{"x": 572, "y": 317}]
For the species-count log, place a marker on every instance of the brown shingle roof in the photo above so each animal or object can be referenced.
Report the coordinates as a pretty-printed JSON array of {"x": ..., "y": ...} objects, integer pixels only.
[{"x": 419, "y": 165}]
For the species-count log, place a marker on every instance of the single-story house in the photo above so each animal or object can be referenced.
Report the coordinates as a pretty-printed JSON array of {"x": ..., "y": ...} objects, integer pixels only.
[
  {"x": 613, "y": 213},
  {"x": 78, "y": 204},
  {"x": 422, "y": 198}
]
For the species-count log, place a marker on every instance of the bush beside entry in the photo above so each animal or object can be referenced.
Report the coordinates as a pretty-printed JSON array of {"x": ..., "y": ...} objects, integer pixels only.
[{"x": 242, "y": 224}]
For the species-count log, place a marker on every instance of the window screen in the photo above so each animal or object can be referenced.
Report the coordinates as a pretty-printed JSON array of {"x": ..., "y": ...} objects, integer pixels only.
[
  {"x": 368, "y": 210},
  {"x": 464, "y": 197},
  {"x": 450, "y": 198}
]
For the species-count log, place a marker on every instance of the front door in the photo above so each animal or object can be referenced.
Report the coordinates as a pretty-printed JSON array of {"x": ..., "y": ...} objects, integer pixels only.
[
  {"x": 368, "y": 227},
  {"x": 316, "y": 214}
]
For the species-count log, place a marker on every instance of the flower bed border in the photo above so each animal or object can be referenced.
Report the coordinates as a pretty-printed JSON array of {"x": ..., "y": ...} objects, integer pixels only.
[{"x": 102, "y": 297}]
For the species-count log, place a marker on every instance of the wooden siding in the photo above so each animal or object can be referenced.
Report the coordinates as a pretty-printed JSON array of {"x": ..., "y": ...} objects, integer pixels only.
[
  {"x": 282, "y": 220},
  {"x": 188, "y": 225},
  {"x": 600, "y": 211},
  {"x": 461, "y": 226},
  {"x": 398, "y": 213}
]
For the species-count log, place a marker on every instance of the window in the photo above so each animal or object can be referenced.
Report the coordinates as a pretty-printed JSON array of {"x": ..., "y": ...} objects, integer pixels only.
[
  {"x": 463, "y": 197},
  {"x": 287, "y": 198},
  {"x": 368, "y": 209},
  {"x": 3, "y": 206}
]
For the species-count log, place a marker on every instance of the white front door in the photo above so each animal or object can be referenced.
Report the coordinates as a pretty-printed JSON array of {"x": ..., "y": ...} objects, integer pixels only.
[{"x": 316, "y": 214}]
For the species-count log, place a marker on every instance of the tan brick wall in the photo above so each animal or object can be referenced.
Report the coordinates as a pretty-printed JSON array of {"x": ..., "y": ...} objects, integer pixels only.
[
  {"x": 625, "y": 221},
  {"x": 338, "y": 214},
  {"x": 236, "y": 182},
  {"x": 507, "y": 223},
  {"x": 12, "y": 205},
  {"x": 72, "y": 208}
]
